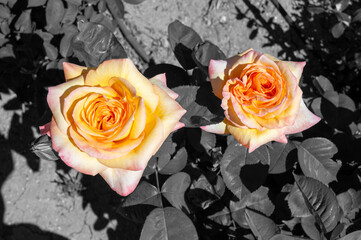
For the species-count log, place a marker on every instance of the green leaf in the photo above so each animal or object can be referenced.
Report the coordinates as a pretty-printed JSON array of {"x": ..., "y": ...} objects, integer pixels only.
[
  {"x": 65, "y": 43},
  {"x": 54, "y": 13},
  {"x": 338, "y": 29},
  {"x": 176, "y": 163},
  {"x": 144, "y": 193},
  {"x": 258, "y": 200},
  {"x": 176, "y": 76},
  {"x": 4, "y": 12},
  {"x": 168, "y": 224},
  {"x": 352, "y": 236},
  {"x": 203, "y": 107},
  {"x": 206, "y": 51},
  {"x": 202, "y": 193},
  {"x": 42, "y": 147},
  {"x": 341, "y": 5},
  {"x": 36, "y": 3},
  {"x": 350, "y": 202},
  {"x": 51, "y": 51},
  {"x": 182, "y": 40},
  {"x": 322, "y": 84},
  {"x": 174, "y": 188},
  {"x": 134, "y": 1},
  {"x": 309, "y": 226},
  {"x": 222, "y": 217},
  {"x": 337, "y": 231},
  {"x": 314, "y": 156},
  {"x": 23, "y": 24},
  {"x": 95, "y": 43},
  {"x": 311, "y": 197},
  {"x": 315, "y": 9},
  {"x": 70, "y": 14},
  {"x": 75, "y": 2},
  {"x": 262, "y": 227},
  {"x": 356, "y": 16},
  {"x": 281, "y": 157},
  {"x": 240, "y": 181}
]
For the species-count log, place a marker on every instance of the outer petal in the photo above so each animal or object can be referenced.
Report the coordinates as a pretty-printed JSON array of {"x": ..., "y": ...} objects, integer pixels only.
[
  {"x": 72, "y": 70},
  {"x": 138, "y": 158},
  {"x": 45, "y": 129},
  {"x": 55, "y": 99},
  {"x": 216, "y": 71},
  {"x": 71, "y": 155},
  {"x": 123, "y": 68},
  {"x": 282, "y": 139},
  {"x": 305, "y": 119},
  {"x": 178, "y": 126},
  {"x": 236, "y": 64},
  {"x": 161, "y": 81},
  {"x": 122, "y": 181},
  {"x": 253, "y": 138},
  {"x": 296, "y": 68},
  {"x": 218, "y": 128}
]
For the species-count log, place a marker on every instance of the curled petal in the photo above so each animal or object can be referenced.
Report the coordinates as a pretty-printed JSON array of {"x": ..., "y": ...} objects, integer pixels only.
[
  {"x": 72, "y": 155},
  {"x": 218, "y": 128},
  {"x": 178, "y": 126},
  {"x": 122, "y": 181},
  {"x": 45, "y": 129},
  {"x": 282, "y": 139},
  {"x": 72, "y": 70},
  {"x": 161, "y": 81},
  {"x": 236, "y": 64},
  {"x": 216, "y": 71}
]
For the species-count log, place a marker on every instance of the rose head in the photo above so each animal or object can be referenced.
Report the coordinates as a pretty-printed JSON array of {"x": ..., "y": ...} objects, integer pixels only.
[
  {"x": 111, "y": 120},
  {"x": 260, "y": 97}
]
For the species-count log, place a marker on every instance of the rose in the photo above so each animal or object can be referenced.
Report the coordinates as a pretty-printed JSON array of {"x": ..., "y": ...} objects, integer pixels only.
[
  {"x": 260, "y": 97},
  {"x": 111, "y": 120}
]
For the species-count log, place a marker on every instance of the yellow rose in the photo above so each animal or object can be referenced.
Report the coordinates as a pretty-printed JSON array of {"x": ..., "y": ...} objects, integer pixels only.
[
  {"x": 111, "y": 120},
  {"x": 260, "y": 97}
]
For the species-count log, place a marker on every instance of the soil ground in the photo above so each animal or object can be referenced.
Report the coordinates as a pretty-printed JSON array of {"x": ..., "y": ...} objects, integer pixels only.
[{"x": 37, "y": 203}]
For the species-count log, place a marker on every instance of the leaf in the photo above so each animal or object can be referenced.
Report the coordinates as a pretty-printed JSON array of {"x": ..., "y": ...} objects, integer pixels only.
[
  {"x": 342, "y": 5},
  {"x": 356, "y": 16},
  {"x": 65, "y": 43},
  {"x": 182, "y": 40},
  {"x": 202, "y": 193},
  {"x": 349, "y": 201},
  {"x": 238, "y": 180},
  {"x": 168, "y": 224},
  {"x": 95, "y": 43},
  {"x": 222, "y": 217},
  {"x": 203, "y": 107},
  {"x": 208, "y": 140},
  {"x": 352, "y": 236},
  {"x": 176, "y": 163},
  {"x": 50, "y": 50},
  {"x": 322, "y": 84},
  {"x": 144, "y": 193},
  {"x": 309, "y": 226},
  {"x": 54, "y": 13},
  {"x": 281, "y": 157},
  {"x": 134, "y": 1},
  {"x": 337, "y": 231},
  {"x": 75, "y": 2},
  {"x": 287, "y": 237},
  {"x": 23, "y": 24},
  {"x": 175, "y": 76},
  {"x": 315, "y": 9},
  {"x": 311, "y": 197},
  {"x": 338, "y": 29},
  {"x": 4, "y": 12},
  {"x": 314, "y": 156},
  {"x": 70, "y": 14},
  {"x": 36, "y": 3},
  {"x": 174, "y": 188},
  {"x": 116, "y": 7},
  {"x": 258, "y": 200},
  {"x": 262, "y": 227},
  {"x": 42, "y": 147},
  {"x": 338, "y": 109},
  {"x": 206, "y": 51}
]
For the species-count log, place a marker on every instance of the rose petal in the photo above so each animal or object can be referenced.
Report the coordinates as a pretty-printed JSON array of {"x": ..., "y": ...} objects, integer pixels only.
[
  {"x": 122, "y": 181},
  {"x": 71, "y": 155},
  {"x": 296, "y": 68},
  {"x": 72, "y": 70},
  {"x": 218, "y": 128},
  {"x": 55, "y": 99},
  {"x": 253, "y": 138},
  {"x": 140, "y": 118},
  {"x": 236, "y": 64},
  {"x": 124, "y": 69},
  {"x": 138, "y": 158},
  {"x": 45, "y": 129},
  {"x": 160, "y": 81},
  {"x": 282, "y": 139},
  {"x": 304, "y": 120},
  {"x": 216, "y": 71},
  {"x": 178, "y": 126}
]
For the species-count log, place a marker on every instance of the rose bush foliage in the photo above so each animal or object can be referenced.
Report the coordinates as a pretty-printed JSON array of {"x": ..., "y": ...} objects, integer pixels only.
[
  {"x": 261, "y": 98},
  {"x": 111, "y": 120}
]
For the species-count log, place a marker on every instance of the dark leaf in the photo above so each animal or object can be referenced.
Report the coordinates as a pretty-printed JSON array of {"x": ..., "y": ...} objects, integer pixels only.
[
  {"x": 338, "y": 29},
  {"x": 222, "y": 217},
  {"x": 176, "y": 163},
  {"x": 175, "y": 76},
  {"x": 315, "y": 9},
  {"x": 203, "y": 107},
  {"x": 262, "y": 227},
  {"x": 174, "y": 188},
  {"x": 168, "y": 224},
  {"x": 282, "y": 157},
  {"x": 144, "y": 193},
  {"x": 54, "y": 13},
  {"x": 134, "y": 1},
  {"x": 337, "y": 231},
  {"x": 182, "y": 40},
  {"x": 238, "y": 180},
  {"x": 95, "y": 44},
  {"x": 343, "y": 17},
  {"x": 309, "y": 226},
  {"x": 42, "y": 147},
  {"x": 36, "y": 3},
  {"x": 202, "y": 193},
  {"x": 314, "y": 157},
  {"x": 311, "y": 197},
  {"x": 322, "y": 84},
  {"x": 208, "y": 140},
  {"x": 206, "y": 51},
  {"x": 258, "y": 200}
]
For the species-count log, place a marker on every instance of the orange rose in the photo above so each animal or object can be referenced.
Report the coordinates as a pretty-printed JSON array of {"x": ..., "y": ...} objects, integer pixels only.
[
  {"x": 260, "y": 97},
  {"x": 111, "y": 120}
]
